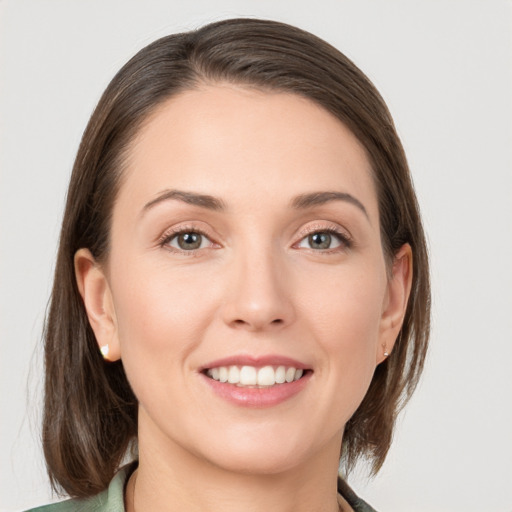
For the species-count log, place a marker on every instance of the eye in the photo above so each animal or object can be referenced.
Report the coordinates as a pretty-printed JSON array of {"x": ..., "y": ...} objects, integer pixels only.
[
  {"x": 188, "y": 241},
  {"x": 323, "y": 240}
]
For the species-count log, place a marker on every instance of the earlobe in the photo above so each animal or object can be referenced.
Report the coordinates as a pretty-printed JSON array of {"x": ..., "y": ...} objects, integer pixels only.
[
  {"x": 96, "y": 295},
  {"x": 397, "y": 296}
]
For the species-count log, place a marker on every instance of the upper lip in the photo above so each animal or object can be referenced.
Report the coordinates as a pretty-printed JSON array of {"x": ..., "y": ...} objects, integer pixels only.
[{"x": 257, "y": 361}]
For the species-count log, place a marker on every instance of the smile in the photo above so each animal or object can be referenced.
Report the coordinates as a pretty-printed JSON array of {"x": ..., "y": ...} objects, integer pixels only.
[
  {"x": 252, "y": 376},
  {"x": 256, "y": 381}
]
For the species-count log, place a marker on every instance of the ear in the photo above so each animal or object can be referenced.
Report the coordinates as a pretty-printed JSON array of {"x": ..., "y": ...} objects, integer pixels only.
[
  {"x": 95, "y": 291},
  {"x": 395, "y": 303}
]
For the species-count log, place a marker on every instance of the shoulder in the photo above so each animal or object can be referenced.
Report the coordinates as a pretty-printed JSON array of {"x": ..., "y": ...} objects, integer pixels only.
[
  {"x": 110, "y": 500},
  {"x": 352, "y": 499}
]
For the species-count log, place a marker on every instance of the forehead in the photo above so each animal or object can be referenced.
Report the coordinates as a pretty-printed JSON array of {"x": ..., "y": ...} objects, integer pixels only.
[{"x": 237, "y": 142}]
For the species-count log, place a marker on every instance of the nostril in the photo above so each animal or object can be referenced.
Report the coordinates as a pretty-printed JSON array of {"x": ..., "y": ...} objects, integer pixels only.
[{"x": 244, "y": 324}]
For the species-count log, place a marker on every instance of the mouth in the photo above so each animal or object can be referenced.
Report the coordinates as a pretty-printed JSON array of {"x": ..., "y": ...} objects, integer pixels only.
[{"x": 256, "y": 377}]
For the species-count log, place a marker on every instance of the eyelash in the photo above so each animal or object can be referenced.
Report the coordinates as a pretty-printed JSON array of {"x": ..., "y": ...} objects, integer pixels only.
[
  {"x": 168, "y": 236},
  {"x": 344, "y": 240}
]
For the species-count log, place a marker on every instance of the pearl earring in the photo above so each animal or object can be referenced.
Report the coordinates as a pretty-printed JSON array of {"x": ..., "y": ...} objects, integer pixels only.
[{"x": 104, "y": 351}]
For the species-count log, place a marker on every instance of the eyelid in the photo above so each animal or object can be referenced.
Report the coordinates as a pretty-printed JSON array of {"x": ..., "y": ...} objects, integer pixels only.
[
  {"x": 326, "y": 227},
  {"x": 174, "y": 231},
  {"x": 316, "y": 227}
]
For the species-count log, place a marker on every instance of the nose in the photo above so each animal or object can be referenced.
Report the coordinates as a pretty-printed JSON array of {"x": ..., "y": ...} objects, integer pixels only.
[{"x": 259, "y": 293}]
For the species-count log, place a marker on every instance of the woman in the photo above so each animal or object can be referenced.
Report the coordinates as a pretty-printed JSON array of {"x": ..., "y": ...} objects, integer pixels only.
[{"x": 241, "y": 293}]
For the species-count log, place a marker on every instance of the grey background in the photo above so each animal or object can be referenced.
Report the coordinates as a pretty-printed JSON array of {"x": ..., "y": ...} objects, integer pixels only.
[{"x": 444, "y": 67}]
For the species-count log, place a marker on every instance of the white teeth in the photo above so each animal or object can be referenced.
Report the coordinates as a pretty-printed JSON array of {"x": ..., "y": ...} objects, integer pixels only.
[
  {"x": 233, "y": 375},
  {"x": 280, "y": 375},
  {"x": 290, "y": 374},
  {"x": 248, "y": 376},
  {"x": 266, "y": 376},
  {"x": 251, "y": 376},
  {"x": 223, "y": 374}
]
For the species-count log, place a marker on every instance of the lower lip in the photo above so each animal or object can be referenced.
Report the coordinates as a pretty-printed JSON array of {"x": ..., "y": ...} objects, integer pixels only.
[{"x": 257, "y": 397}]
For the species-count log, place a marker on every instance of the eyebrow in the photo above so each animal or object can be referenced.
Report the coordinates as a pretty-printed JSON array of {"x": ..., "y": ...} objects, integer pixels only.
[
  {"x": 202, "y": 200},
  {"x": 209, "y": 202},
  {"x": 319, "y": 198}
]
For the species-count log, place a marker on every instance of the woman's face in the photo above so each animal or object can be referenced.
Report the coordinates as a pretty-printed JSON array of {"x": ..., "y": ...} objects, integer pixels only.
[{"x": 245, "y": 245}]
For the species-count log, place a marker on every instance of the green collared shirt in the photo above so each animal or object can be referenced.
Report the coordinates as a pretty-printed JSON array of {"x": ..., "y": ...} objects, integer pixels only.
[{"x": 112, "y": 498}]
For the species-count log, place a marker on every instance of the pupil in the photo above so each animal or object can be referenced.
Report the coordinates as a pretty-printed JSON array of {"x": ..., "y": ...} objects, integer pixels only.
[
  {"x": 189, "y": 241},
  {"x": 320, "y": 240}
]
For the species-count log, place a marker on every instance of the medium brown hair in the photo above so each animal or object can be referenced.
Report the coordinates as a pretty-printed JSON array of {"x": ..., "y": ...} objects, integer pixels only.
[{"x": 90, "y": 413}]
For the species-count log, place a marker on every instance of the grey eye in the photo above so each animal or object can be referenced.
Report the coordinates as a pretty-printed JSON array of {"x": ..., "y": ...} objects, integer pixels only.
[
  {"x": 188, "y": 241},
  {"x": 321, "y": 240}
]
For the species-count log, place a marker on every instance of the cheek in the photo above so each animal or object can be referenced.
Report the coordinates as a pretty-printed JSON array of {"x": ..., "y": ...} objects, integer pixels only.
[
  {"x": 160, "y": 317},
  {"x": 344, "y": 310},
  {"x": 345, "y": 304}
]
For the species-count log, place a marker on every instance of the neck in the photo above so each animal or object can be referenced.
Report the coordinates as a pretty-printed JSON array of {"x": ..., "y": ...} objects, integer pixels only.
[{"x": 174, "y": 479}]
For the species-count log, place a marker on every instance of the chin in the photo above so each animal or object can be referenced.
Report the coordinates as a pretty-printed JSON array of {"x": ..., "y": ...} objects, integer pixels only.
[
  {"x": 257, "y": 463},
  {"x": 269, "y": 456}
]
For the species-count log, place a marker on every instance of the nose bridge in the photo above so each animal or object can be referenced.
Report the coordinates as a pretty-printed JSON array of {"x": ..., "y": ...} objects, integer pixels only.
[{"x": 258, "y": 295}]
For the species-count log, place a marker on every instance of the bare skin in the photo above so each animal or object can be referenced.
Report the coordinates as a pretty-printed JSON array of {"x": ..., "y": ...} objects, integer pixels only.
[{"x": 246, "y": 226}]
